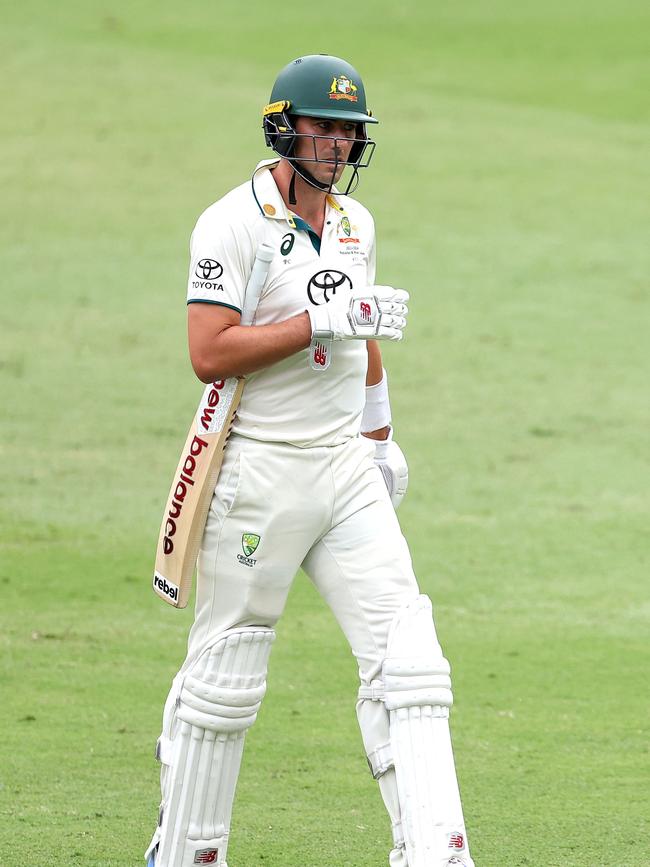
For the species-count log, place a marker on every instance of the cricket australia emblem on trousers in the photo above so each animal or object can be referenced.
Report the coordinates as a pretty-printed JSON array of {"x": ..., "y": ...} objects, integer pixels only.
[{"x": 249, "y": 543}]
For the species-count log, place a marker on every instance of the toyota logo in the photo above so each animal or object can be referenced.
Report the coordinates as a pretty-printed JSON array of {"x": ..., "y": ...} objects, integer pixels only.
[
  {"x": 325, "y": 284},
  {"x": 209, "y": 269}
]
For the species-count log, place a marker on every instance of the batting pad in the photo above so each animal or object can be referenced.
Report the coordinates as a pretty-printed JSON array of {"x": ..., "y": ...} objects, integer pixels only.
[
  {"x": 220, "y": 697},
  {"x": 417, "y": 694}
]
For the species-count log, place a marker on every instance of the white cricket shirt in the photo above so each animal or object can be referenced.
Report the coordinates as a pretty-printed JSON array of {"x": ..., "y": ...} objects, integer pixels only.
[{"x": 289, "y": 402}]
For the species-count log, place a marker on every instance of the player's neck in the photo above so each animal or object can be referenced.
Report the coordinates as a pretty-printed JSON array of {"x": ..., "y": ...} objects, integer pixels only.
[{"x": 310, "y": 202}]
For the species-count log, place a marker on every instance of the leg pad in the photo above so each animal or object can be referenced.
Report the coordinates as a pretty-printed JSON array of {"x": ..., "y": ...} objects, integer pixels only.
[
  {"x": 417, "y": 695},
  {"x": 218, "y": 700}
]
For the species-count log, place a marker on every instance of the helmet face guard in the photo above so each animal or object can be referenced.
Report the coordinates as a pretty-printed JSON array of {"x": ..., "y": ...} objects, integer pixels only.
[
  {"x": 280, "y": 135},
  {"x": 323, "y": 87}
]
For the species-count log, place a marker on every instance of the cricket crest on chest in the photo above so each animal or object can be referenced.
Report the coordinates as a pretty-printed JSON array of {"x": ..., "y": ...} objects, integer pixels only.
[{"x": 347, "y": 238}]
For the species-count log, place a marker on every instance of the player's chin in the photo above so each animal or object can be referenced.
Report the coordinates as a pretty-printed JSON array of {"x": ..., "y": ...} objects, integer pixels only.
[{"x": 331, "y": 174}]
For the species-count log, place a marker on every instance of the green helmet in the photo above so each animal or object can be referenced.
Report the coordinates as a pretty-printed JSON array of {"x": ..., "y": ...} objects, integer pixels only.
[
  {"x": 319, "y": 85},
  {"x": 322, "y": 86}
]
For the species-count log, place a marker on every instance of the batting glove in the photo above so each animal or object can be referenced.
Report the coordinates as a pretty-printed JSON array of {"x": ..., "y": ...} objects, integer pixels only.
[
  {"x": 391, "y": 461},
  {"x": 377, "y": 313}
]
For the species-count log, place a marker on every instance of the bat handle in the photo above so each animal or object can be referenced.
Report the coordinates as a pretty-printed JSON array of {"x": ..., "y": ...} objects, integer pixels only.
[{"x": 261, "y": 265}]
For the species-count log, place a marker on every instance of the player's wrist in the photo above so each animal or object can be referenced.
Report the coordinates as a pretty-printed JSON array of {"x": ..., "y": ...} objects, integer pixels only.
[
  {"x": 382, "y": 434},
  {"x": 320, "y": 324},
  {"x": 376, "y": 412},
  {"x": 304, "y": 329}
]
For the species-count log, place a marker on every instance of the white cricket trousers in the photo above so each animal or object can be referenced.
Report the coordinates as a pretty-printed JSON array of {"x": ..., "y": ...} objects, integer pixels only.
[{"x": 325, "y": 509}]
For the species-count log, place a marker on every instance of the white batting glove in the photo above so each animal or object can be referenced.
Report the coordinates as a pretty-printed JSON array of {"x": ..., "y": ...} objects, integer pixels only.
[
  {"x": 391, "y": 461},
  {"x": 376, "y": 313}
]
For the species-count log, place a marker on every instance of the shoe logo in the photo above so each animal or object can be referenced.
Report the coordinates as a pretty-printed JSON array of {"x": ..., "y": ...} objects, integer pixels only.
[{"x": 456, "y": 841}]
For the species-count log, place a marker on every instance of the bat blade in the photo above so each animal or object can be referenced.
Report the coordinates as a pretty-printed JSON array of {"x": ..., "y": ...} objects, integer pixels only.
[
  {"x": 198, "y": 470},
  {"x": 189, "y": 497}
]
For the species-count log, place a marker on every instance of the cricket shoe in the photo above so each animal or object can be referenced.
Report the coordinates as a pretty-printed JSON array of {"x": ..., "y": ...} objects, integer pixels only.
[
  {"x": 458, "y": 862},
  {"x": 151, "y": 861}
]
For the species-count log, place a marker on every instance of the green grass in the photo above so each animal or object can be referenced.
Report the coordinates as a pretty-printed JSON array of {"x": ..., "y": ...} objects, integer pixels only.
[{"x": 510, "y": 193}]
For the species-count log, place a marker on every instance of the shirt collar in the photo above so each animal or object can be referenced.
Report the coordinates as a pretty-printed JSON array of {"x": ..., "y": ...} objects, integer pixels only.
[{"x": 268, "y": 197}]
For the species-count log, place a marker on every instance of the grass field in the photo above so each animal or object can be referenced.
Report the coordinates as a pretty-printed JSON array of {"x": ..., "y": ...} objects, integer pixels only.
[{"x": 510, "y": 190}]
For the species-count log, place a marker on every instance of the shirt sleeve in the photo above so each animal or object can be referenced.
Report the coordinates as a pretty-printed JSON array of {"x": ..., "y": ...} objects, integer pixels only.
[{"x": 219, "y": 261}]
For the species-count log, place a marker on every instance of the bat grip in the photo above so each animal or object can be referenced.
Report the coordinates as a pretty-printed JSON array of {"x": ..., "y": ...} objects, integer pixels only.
[{"x": 256, "y": 281}]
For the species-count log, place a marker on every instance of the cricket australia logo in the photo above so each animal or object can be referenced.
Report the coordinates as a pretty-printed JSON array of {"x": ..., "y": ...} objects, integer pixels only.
[
  {"x": 249, "y": 543},
  {"x": 344, "y": 231},
  {"x": 343, "y": 88}
]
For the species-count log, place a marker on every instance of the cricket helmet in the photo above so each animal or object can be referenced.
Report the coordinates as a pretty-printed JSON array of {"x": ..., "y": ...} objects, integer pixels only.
[{"x": 321, "y": 86}]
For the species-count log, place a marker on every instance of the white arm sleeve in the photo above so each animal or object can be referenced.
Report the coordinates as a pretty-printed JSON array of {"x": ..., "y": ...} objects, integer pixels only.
[{"x": 376, "y": 412}]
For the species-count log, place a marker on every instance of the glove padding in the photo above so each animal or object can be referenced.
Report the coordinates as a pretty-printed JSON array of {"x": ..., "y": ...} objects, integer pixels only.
[
  {"x": 391, "y": 461},
  {"x": 376, "y": 313}
]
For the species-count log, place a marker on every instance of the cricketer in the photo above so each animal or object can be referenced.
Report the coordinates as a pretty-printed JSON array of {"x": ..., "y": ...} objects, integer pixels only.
[{"x": 310, "y": 478}]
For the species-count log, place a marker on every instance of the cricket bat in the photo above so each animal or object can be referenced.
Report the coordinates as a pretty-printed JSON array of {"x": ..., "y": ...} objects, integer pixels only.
[{"x": 198, "y": 469}]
